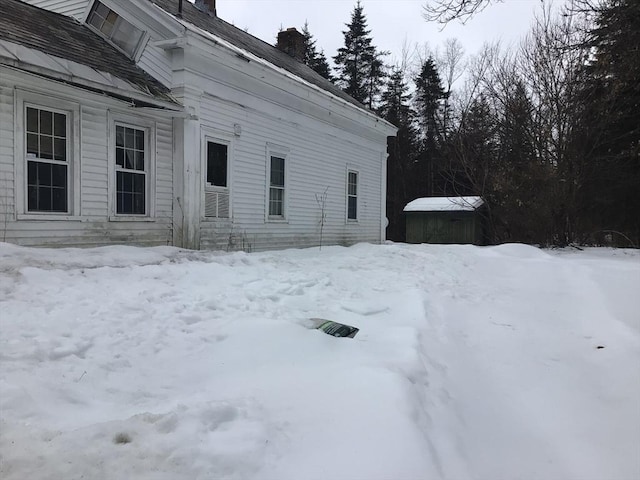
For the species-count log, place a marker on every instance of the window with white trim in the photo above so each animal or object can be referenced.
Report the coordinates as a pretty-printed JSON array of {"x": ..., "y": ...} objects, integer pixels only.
[
  {"x": 352, "y": 195},
  {"x": 277, "y": 186},
  {"x": 114, "y": 28},
  {"x": 47, "y": 145},
  {"x": 132, "y": 170},
  {"x": 216, "y": 189}
]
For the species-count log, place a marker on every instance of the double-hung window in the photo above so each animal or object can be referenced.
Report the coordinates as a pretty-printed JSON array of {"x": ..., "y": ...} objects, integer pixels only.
[
  {"x": 352, "y": 195},
  {"x": 132, "y": 168},
  {"x": 115, "y": 28},
  {"x": 276, "y": 186},
  {"x": 47, "y": 159}
]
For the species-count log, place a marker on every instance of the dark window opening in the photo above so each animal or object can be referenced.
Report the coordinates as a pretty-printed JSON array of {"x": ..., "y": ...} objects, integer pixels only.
[{"x": 217, "y": 164}]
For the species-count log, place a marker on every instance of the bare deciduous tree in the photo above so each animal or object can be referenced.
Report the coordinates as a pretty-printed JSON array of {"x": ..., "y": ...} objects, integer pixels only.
[{"x": 444, "y": 11}]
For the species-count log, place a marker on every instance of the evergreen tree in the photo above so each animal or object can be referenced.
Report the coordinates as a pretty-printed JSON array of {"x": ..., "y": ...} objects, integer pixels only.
[
  {"x": 395, "y": 108},
  {"x": 359, "y": 65},
  {"x": 312, "y": 58},
  {"x": 428, "y": 97},
  {"x": 610, "y": 123}
]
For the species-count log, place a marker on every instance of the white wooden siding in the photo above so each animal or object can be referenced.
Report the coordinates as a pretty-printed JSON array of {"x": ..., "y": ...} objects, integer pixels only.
[
  {"x": 92, "y": 227},
  {"x": 7, "y": 204},
  {"x": 71, "y": 8},
  {"x": 156, "y": 62},
  {"x": 319, "y": 156}
]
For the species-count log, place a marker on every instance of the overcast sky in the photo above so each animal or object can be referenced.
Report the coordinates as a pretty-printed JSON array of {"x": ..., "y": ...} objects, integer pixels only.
[{"x": 392, "y": 22}]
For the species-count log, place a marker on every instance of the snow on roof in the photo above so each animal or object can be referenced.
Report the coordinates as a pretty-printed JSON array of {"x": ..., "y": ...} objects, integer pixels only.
[{"x": 444, "y": 204}]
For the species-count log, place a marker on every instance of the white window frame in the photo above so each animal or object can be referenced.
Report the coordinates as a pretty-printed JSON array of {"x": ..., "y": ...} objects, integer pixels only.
[
  {"x": 144, "y": 38},
  {"x": 24, "y": 99},
  {"x": 277, "y": 151},
  {"x": 210, "y": 135},
  {"x": 356, "y": 196},
  {"x": 122, "y": 119}
]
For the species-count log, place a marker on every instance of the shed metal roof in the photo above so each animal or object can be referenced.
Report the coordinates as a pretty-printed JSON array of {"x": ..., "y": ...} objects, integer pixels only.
[
  {"x": 444, "y": 204},
  {"x": 66, "y": 38}
]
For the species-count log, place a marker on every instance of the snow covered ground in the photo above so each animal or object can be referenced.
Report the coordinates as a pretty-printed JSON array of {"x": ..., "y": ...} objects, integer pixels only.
[{"x": 504, "y": 362}]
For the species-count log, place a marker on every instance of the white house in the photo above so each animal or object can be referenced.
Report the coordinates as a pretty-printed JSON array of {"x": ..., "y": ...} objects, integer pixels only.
[{"x": 167, "y": 125}]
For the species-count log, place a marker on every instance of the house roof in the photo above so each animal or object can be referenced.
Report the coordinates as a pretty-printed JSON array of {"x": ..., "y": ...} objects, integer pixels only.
[
  {"x": 66, "y": 38},
  {"x": 444, "y": 204},
  {"x": 253, "y": 45}
]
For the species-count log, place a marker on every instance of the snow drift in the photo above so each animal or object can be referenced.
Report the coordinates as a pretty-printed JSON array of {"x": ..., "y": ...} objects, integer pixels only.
[{"x": 470, "y": 363}]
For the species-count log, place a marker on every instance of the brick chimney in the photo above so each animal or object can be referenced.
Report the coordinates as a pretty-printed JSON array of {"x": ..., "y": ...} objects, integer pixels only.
[
  {"x": 291, "y": 41},
  {"x": 206, "y": 6}
]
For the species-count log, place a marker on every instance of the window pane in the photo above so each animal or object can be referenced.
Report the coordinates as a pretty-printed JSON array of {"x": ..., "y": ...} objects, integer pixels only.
[
  {"x": 128, "y": 138},
  {"x": 138, "y": 195},
  {"x": 32, "y": 144},
  {"x": 59, "y": 176},
  {"x": 60, "y": 125},
  {"x": 101, "y": 9},
  {"x": 217, "y": 164},
  {"x": 126, "y": 36},
  {"x": 44, "y": 174},
  {"x": 129, "y": 159},
  {"x": 46, "y": 147},
  {"x": 119, "y": 136},
  {"x": 46, "y": 122},
  {"x": 139, "y": 140},
  {"x": 32, "y": 198},
  {"x": 59, "y": 149},
  {"x": 127, "y": 182},
  {"x": 353, "y": 208},
  {"x": 32, "y": 173},
  {"x": 44, "y": 202},
  {"x": 138, "y": 183},
  {"x": 139, "y": 156},
  {"x": 109, "y": 23},
  {"x": 277, "y": 171},
  {"x": 120, "y": 157},
  {"x": 32, "y": 120},
  {"x": 59, "y": 200},
  {"x": 96, "y": 20}
]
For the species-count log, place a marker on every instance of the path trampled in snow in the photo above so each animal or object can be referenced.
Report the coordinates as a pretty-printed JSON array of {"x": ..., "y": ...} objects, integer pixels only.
[{"x": 471, "y": 363}]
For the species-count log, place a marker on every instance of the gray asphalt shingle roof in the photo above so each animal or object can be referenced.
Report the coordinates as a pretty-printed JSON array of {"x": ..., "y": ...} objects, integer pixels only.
[{"x": 65, "y": 37}]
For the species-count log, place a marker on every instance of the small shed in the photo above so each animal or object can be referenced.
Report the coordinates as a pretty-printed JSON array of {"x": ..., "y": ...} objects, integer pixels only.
[{"x": 445, "y": 220}]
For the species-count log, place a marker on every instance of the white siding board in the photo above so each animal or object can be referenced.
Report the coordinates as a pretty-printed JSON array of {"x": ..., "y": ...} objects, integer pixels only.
[
  {"x": 71, "y": 8},
  {"x": 7, "y": 185},
  {"x": 156, "y": 62}
]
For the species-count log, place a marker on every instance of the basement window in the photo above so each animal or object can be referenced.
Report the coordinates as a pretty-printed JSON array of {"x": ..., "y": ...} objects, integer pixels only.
[{"x": 115, "y": 28}]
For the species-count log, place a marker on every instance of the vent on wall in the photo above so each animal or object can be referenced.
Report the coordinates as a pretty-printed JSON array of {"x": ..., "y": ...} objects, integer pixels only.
[{"x": 216, "y": 204}]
